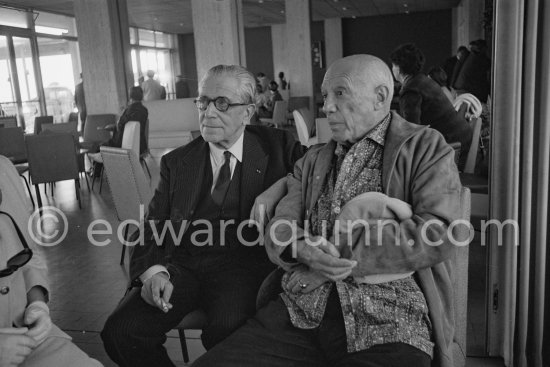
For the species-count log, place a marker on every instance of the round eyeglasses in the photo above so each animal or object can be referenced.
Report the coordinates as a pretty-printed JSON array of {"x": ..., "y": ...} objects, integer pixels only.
[
  {"x": 20, "y": 259},
  {"x": 222, "y": 104},
  {"x": 15, "y": 262}
]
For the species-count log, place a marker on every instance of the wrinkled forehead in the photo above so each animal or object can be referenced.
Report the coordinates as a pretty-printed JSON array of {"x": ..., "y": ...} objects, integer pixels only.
[
  {"x": 220, "y": 86},
  {"x": 341, "y": 79},
  {"x": 343, "y": 74}
]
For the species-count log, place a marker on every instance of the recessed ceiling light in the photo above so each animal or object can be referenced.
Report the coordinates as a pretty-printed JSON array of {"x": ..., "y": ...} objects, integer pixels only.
[
  {"x": 405, "y": 5},
  {"x": 261, "y": 1},
  {"x": 344, "y": 8},
  {"x": 155, "y": 18},
  {"x": 353, "y": 17},
  {"x": 282, "y": 11},
  {"x": 181, "y": 24}
]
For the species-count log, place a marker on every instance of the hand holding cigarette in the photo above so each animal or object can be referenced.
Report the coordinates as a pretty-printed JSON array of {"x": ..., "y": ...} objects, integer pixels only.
[{"x": 157, "y": 291}]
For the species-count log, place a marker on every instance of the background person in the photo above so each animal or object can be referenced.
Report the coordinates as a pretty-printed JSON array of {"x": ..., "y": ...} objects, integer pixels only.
[
  {"x": 422, "y": 101},
  {"x": 152, "y": 90},
  {"x": 80, "y": 102}
]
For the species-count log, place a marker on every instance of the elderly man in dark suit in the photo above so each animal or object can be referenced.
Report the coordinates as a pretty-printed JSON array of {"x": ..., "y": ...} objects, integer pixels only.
[{"x": 207, "y": 189}]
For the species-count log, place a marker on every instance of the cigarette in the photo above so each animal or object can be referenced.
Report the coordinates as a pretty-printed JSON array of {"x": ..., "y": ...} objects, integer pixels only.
[{"x": 164, "y": 305}]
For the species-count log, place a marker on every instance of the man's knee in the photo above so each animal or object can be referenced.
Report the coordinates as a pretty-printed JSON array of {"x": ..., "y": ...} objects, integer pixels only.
[
  {"x": 116, "y": 331},
  {"x": 216, "y": 332}
]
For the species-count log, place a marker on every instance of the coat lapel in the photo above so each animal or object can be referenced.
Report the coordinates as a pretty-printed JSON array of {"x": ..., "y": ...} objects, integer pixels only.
[
  {"x": 254, "y": 166},
  {"x": 189, "y": 179},
  {"x": 321, "y": 170}
]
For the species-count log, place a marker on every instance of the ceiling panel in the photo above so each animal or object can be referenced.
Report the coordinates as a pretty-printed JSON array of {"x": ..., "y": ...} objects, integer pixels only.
[{"x": 174, "y": 16}]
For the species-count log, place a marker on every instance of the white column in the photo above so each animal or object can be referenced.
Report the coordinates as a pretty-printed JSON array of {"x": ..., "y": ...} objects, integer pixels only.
[
  {"x": 333, "y": 40},
  {"x": 105, "y": 53},
  {"x": 300, "y": 73},
  {"x": 219, "y": 33}
]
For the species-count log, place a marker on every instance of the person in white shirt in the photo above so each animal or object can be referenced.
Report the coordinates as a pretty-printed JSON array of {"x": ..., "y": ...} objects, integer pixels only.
[{"x": 152, "y": 90}]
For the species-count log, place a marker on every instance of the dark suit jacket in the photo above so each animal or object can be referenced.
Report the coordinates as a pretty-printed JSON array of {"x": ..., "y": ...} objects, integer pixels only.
[
  {"x": 422, "y": 101},
  {"x": 134, "y": 112},
  {"x": 473, "y": 77},
  {"x": 268, "y": 155}
]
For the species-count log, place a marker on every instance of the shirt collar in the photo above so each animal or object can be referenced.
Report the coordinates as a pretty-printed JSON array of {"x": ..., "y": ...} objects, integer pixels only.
[
  {"x": 378, "y": 133},
  {"x": 236, "y": 150}
]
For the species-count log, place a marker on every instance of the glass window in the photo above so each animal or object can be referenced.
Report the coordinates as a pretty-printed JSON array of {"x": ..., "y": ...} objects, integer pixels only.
[
  {"x": 163, "y": 40},
  {"x": 146, "y": 37},
  {"x": 60, "y": 66},
  {"x": 14, "y": 18},
  {"x": 56, "y": 24}
]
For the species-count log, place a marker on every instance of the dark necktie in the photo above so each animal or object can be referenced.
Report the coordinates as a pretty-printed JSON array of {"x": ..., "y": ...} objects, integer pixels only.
[{"x": 224, "y": 178}]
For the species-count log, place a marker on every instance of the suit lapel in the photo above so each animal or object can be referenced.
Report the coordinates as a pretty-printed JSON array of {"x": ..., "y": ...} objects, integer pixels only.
[
  {"x": 254, "y": 167},
  {"x": 189, "y": 179}
]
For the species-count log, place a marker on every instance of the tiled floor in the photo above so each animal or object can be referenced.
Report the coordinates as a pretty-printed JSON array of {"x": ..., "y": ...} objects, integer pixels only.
[{"x": 87, "y": 280}]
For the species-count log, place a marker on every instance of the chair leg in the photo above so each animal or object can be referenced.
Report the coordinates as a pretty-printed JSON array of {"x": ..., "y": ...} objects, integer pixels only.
[
  {"x": 124, "y": 244},
  {"x": 101, "y": 179},
  {"x": 77, "y": 189},
  {"x": 183, "y": 344},
  {"x": 28, "y": 189},
  {"x": 38, "y": 198},
  {"x": 144, "y": 162},
  {"x": 87, "y": 183}
]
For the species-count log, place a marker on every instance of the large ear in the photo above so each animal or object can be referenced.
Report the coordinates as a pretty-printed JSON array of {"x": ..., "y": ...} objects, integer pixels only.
[
  {"x": 250, "y": 109},
  {"x": 382, "y": 96}
]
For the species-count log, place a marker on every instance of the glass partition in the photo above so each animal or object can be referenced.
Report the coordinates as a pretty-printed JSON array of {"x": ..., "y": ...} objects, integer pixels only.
[{"x": 58, "y": 61}]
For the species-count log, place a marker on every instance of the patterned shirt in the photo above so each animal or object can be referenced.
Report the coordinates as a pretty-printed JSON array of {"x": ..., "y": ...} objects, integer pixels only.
[{"x": 382, "y": 313}]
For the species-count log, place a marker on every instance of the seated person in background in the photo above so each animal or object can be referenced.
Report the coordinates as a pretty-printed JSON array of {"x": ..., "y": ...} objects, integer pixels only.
[
  {"x": 27, "y": 335},
  {"x": 263, "y": 81},
  {"x": 438, "y": 75},
  {"x": 342, "y": 320},
  {"x": 266, "y": 110},
  {"x": 474, "y": 76},
  {"x": 134, "y": 112},
  {"x": 214, "y": 179},
  {"x": 422, "y": 101}
]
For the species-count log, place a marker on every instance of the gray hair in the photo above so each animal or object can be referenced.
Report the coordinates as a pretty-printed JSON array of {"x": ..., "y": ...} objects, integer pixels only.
[{"x": 247, "y": 81}]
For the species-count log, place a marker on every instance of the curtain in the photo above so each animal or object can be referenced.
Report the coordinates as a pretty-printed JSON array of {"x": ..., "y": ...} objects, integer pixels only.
[{"x": 519, "y": 327}]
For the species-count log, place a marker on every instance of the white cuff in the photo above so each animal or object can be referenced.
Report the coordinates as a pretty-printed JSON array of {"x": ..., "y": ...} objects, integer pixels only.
[
  {"x": 152, "y": 271},
  {"x": 40, "y": 305}
]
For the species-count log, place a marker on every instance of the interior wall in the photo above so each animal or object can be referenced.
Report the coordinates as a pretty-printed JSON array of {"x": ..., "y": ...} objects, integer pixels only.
[
  {"x": 318, "y": 35},
  {"x": 380, "y": 35},
  {"x": 259, "y": 51}
]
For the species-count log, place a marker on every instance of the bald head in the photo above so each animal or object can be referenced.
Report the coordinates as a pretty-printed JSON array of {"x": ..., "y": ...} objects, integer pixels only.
[
  {"x": 363, "y": 71},
  {"x": 357, "y": 91}
]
